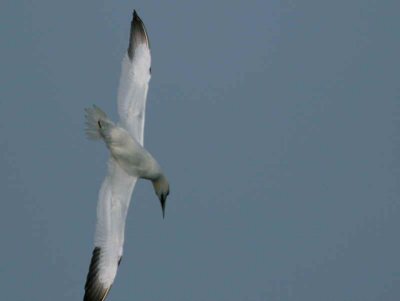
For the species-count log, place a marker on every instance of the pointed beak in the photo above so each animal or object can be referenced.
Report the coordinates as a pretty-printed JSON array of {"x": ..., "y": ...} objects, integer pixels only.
[{"x": 163, "y": 201}]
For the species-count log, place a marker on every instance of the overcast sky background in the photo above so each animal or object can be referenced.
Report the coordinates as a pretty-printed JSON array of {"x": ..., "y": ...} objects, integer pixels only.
[{"x": 277, "y": 123}]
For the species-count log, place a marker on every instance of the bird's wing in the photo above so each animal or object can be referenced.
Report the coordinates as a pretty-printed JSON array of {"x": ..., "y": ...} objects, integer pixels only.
[
  {"x": 114, "y": 198},
  {"x": 134, "y": 81}
]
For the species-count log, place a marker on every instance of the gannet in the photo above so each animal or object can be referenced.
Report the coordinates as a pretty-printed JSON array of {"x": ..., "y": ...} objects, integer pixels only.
[{"x": 128, "y": 162}]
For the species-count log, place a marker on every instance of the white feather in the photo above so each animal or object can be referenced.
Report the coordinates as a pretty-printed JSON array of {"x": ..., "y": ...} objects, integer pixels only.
[
  {"x": 132, "y": 91},
  {"x": 114, "y": 199}
]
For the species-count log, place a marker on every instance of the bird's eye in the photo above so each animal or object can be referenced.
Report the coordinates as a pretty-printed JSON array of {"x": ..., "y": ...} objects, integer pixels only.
[{"x": 150, "y": 70}]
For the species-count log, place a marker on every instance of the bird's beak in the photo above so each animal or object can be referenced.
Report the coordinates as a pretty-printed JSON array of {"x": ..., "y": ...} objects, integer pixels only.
[{"x": 163, "y": 201}]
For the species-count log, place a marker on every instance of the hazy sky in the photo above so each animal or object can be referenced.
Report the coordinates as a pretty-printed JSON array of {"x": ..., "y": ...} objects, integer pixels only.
[{"x": 277, "y": 123}]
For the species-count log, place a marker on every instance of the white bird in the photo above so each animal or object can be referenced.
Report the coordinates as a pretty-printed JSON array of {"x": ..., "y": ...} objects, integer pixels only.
[{"x": 128, "y": 162}]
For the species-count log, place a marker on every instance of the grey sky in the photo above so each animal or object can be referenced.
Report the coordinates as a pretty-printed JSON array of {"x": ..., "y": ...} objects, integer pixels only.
[{"x": 277, "y": 123}]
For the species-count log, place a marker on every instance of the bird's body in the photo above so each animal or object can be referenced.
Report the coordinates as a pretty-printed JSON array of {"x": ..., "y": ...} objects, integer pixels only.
[
  {"x": 128, "y": 162},
  {"x": 130, "y": 155}
]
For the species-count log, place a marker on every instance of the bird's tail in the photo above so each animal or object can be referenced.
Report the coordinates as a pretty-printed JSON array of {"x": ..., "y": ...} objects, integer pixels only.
[{"x": 97, "y": 123}]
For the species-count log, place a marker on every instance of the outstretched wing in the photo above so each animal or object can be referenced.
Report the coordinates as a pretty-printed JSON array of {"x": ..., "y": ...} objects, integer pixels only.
[
  {"x": 114, "y": 198},
  {"x": 116, "y": 190},
  {"x": 134, "y": 81}
]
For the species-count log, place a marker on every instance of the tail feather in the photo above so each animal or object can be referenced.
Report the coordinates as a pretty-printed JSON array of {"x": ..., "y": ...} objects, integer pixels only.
[{"x": 96, "y": 122}]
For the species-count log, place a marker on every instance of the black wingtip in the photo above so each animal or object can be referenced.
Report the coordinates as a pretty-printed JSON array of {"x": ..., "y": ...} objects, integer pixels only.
[
  {"x": 94, "y": 290},
  {"x": 138, "y": 34}
]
